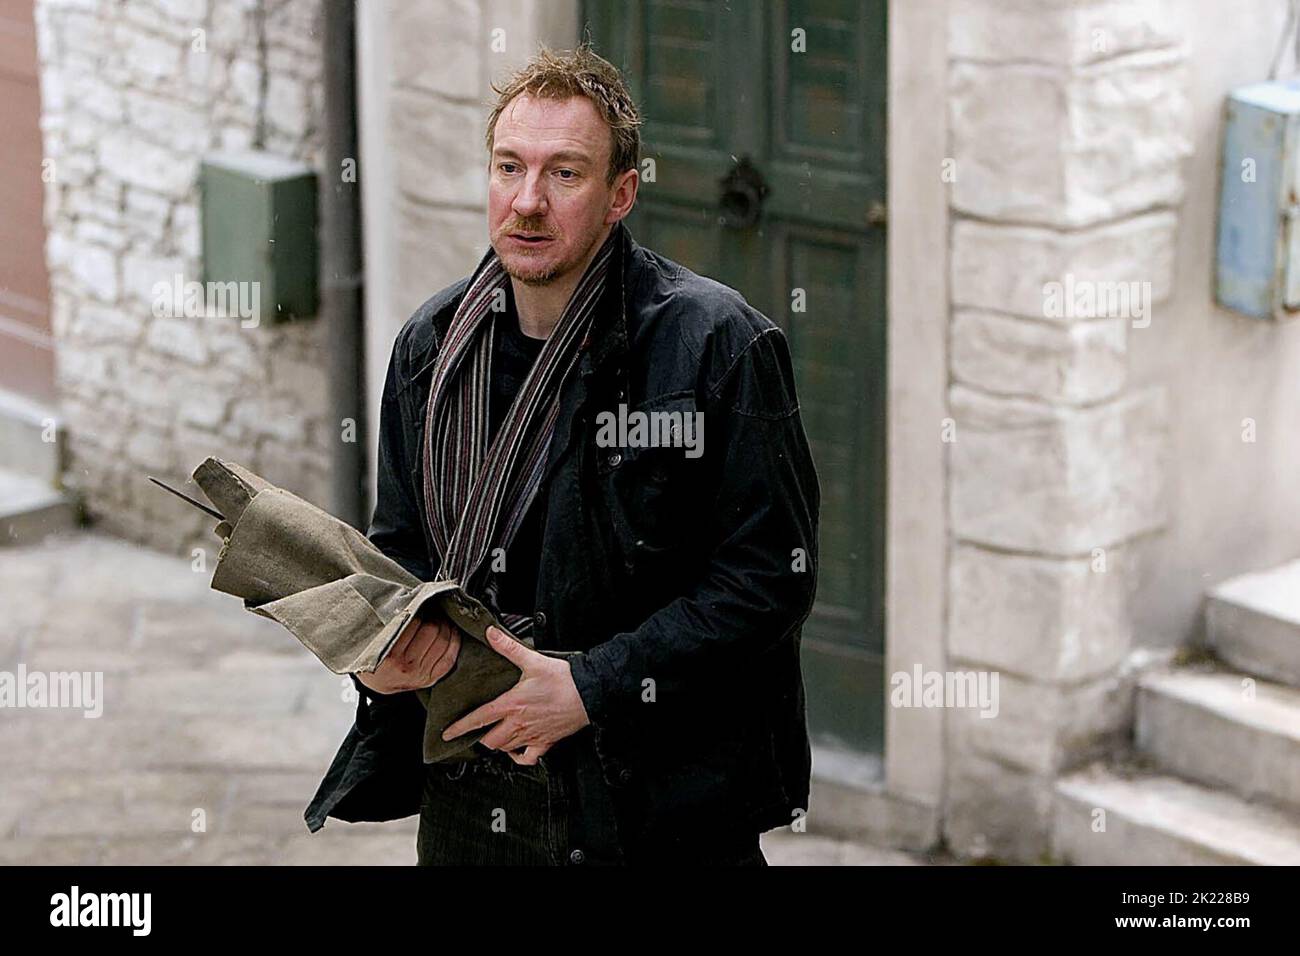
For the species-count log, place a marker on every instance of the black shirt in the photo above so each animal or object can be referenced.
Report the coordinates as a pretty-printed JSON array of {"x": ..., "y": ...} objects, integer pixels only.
[{"x": 513, "y": 355}]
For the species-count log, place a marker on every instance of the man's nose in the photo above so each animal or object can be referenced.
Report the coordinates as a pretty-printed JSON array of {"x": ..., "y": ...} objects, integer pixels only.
[{"x": 531, "y": 198}]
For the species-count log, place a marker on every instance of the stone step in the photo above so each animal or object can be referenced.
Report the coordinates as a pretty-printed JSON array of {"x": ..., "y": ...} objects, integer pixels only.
[
  {"x": 1158, "y": 820},
  {"x": 30, "y": 509},
  {"x": 1253, "y": 622},
  {"x": 25, "y": 426},
  {"x": 1225, "y": 730}
]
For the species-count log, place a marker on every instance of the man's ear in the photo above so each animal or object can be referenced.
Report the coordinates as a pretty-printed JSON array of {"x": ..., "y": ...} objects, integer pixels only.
[{"x": 625, "y": 190}]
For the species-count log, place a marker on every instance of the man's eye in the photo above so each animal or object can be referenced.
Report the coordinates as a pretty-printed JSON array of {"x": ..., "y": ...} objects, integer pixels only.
[
  {"x": 566, "y": 174},
  {"x": 506, "y": 167}
]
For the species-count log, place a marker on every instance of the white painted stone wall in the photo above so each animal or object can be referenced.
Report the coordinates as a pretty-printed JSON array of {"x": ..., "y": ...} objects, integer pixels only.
[
  {"x": 134, "y": 94},
  {"x": 1069, "y": 132},
  {"x": 1233, "y": 502}
]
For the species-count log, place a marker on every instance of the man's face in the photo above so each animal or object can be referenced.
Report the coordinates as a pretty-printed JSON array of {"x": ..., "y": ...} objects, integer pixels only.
[{"x": 547, "y": 179}]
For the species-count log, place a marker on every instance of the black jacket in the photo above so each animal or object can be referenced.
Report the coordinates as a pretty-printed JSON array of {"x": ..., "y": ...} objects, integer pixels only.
[{"x": 685, "y": 580}]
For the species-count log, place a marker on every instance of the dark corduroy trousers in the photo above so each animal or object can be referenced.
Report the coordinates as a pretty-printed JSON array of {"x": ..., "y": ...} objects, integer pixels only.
[{"x": 490, "y": 811}]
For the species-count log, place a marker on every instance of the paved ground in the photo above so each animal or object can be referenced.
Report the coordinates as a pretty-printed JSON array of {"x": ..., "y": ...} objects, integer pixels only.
[{"x": 210, "y": 714}]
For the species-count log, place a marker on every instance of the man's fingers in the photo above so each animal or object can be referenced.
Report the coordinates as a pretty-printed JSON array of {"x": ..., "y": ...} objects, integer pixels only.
[
  {"x": 445, "y": 662},
  {"x": 509, "y": 648},
  {"x": 398, "y": 650},
  {"x": 529, "y": 756},
  {"x": 439, "y": 642},
  {"x": 411, "y": 649},
  {"x": 501, "y": 737},
  {"x": 489, "y": 713},
  {"x": 425, "y": 635}
]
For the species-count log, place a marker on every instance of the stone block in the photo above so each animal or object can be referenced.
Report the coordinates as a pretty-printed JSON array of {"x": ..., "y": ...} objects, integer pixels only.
[
  {"x": 1043, "y": 729},
  {"x": 1028, "y": 476},
  {"x": 441, "y": 156},
  {"x": 1080, "y": 147},
  {"x": 1052, "y": 620},
  {"x": 1009, "y": 268},
  {"x": 1082, "y": 362},
  {"x": 95, "y": 270},
  {"x": 1059, "y": 31},
  {"x": 127, "y": 158},
  {"x": 454, "y": 71},
  {"x": 180, "y": 338}
]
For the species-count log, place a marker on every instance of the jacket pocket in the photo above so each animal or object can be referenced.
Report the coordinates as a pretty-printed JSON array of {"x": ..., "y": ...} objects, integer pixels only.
[
  {"x": 650, "y": 464},
  {"x": 705, "y": 778}
]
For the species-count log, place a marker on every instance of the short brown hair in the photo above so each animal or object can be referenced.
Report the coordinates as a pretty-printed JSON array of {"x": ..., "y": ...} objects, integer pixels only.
[{"x": 581, "y": 72}]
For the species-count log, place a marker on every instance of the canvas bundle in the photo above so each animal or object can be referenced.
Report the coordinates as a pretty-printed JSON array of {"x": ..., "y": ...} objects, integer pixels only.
[{"x": 346, "y": 601}]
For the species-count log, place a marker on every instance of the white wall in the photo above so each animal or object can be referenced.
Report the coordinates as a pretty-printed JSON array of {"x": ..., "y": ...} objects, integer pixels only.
[{"x": 1232, "y": 505}]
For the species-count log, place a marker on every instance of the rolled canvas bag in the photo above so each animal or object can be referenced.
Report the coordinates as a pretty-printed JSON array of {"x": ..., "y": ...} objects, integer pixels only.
[{"x": 344, "y": 599}]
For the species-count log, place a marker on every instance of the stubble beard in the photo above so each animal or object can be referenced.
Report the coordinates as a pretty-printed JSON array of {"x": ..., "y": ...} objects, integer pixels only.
[{"x": 534, "y": 276}]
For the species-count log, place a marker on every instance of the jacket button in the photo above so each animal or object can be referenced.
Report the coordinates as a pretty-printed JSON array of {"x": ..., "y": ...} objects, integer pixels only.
[
  {"x": 615, "y": 460},
  {"x": 539, "y": 620},
  {"x": 577, "y": 856}
]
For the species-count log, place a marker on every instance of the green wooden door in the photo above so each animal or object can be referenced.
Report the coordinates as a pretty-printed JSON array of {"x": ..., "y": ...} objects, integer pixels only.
[{"x": 792, "y": 93}]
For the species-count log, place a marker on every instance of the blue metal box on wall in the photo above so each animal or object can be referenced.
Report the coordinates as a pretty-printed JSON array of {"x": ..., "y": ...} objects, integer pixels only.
[{"x": 1258, "y": 261}]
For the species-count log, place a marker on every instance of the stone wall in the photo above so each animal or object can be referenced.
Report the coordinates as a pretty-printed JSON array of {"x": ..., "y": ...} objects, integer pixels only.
[
  {"x": 134, "y": 94},
  {"x": 1059, "y": 463}
]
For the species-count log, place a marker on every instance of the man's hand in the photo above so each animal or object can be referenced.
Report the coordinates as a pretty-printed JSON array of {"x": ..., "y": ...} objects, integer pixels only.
[
  {"x": 537, "y": 713},
  {"x": 424, "y": 654}
]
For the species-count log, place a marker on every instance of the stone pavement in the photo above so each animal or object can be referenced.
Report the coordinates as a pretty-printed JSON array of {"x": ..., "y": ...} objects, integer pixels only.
[{"x": 216, "y": 726}]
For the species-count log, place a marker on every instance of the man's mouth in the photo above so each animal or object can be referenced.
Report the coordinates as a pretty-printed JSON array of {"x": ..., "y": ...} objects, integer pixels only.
[{"x": 529, "y": 240}]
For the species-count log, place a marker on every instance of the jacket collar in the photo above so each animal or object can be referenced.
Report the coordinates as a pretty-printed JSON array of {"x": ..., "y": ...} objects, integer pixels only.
[{"x": 607, "y": 340}]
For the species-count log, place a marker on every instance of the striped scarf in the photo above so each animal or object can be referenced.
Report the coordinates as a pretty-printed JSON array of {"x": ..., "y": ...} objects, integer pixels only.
[{"x": 476, "y": 494}]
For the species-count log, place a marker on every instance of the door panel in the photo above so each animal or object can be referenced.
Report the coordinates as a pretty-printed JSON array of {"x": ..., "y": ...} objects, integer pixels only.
[{"x": 718, "y": 82}]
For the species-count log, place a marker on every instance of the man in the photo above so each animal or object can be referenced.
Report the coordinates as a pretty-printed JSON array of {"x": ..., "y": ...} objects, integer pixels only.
[{"x": 674, "y": 562}]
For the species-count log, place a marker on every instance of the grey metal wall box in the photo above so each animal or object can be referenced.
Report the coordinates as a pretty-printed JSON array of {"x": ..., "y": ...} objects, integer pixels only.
[
  {"x": 1258, "y": 261},
  {"x": 259, "y": 225}
]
